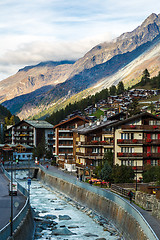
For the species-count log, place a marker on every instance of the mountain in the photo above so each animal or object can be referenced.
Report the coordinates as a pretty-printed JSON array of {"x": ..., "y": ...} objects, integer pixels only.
[{"x": 48, "y": 86}]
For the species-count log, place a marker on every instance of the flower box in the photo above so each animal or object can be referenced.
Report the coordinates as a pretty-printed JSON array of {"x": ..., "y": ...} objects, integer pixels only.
[
  {"x": 133, "y": 126},
  {"x": 154, "y": 127},
  {"x": 148, "y": 140},
  {"x": 120, "y": 140},
  {"x": 120, "y": 154},
  {"x": 148, "y": 154},
  {"x": 134, "y": 141},
  {"x": 95, "y": 141}
]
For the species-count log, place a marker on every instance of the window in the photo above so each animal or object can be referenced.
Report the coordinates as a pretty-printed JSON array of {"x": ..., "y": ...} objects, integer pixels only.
[
  {"x": 154, "y": 162},
  {"x": 128, "y": 162},
  {"x": 154, "y": 122},
  {"x": 96, "y": 138},
  {"x": 154, "y": 136},
  {"x": 127, "y": 135},
  {"x": 154, "y": 149},
  {"x": 95, "y": 150},
  {"x": 127, "y": 150}
]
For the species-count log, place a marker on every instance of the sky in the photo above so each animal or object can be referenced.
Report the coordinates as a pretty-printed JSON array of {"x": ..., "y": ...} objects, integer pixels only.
[{"x": 32, "y": 31}]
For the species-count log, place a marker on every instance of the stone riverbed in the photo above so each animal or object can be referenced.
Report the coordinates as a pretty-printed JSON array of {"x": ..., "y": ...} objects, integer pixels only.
[{"x": 58, "y": 217}]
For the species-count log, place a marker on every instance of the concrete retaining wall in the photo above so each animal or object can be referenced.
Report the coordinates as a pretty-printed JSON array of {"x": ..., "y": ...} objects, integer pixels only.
[
  {"x": 26, "y": 229},
  {"x": 127, "y": 225}
]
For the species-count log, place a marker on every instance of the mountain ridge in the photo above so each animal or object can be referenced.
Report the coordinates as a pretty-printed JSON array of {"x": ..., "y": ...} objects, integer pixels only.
[{"x": 94, "y": 70}]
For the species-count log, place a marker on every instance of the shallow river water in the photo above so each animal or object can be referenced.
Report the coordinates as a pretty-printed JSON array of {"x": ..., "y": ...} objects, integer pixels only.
[{"x": 59, "y": 217}]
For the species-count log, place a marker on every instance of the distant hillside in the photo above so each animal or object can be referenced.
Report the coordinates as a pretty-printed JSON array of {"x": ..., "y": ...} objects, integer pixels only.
[
  {"x": 123, "y": 59},
  {"x": 4, "y": 112}
]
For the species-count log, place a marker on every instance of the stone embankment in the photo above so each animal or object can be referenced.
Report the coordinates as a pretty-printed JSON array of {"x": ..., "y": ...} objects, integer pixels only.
[
  {"x": 148, "y": 202},
  {"x": 124, "y": 221}
]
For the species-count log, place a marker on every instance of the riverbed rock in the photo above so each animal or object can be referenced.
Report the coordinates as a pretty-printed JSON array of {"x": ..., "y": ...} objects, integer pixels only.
[
  {"x": 90, "y": 235},
  {"x": 62, "y": 231},
  {"x": 49, "y": 216},
  {"x": 100, "y": 238},
  {"x": 74, "y": 226},
  {"x": 64, "y": 217}
]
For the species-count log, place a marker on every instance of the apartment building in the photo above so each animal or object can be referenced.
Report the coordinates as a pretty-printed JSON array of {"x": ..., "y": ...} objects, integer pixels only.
[
  {"x": 63, "y": 141},
  {"x": 91, "y": 141},
  {"x": 137, "y": 142},
  {"x": 30, "y": 132}
]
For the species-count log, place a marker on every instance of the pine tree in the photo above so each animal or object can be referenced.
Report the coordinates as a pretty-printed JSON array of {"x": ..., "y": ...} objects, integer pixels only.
[{"x": 120, "y": 88}]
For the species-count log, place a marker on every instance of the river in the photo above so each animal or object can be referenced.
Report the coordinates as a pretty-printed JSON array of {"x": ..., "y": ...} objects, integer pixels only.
[{"x": 58, "y": 217}]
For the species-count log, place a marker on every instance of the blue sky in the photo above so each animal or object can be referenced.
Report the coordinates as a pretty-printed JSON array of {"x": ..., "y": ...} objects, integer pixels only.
[{"x": 32, "y": 31}]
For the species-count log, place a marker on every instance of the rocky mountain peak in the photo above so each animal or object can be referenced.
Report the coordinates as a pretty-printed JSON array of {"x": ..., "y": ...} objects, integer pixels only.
[{"x": 150, "y": 19}]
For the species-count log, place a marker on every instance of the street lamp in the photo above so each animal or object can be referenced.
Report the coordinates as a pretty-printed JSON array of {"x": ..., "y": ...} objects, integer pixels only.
[{"x": 136, "y": 175}]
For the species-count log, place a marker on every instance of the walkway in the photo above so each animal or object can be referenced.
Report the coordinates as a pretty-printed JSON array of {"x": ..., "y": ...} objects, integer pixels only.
[
  {"x": 152, "y": 221},
  {"x": 5, "y": 201}
]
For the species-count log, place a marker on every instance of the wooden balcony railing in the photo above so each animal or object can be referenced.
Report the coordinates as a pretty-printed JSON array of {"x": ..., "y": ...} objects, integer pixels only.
[
  {"x": 121, "y": 155},
  {"x": 138, "y": 155},
  {"x": 147, "y": 141},
  {"x": 142, "y": 127},
  {"x": 95, "y": 143}
]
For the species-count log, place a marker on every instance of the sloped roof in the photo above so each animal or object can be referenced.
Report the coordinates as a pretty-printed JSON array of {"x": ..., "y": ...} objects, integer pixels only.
[
  {"x": 39, "y": 123},
  {"x": 130, "y": 119},
  {"x": 91, "y": 127},
  {"x": 71, "y": 119}
]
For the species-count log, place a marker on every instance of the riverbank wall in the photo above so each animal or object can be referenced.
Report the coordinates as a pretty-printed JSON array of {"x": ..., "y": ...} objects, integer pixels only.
[
  {"x": 26, "y": 228},
  {"x": 23, "y": 222},
  {"x": 130, "y": 223}
]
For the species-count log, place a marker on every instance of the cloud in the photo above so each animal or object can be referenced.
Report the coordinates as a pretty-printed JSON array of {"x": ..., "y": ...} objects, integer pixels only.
[{"x": 41, "y": 30}]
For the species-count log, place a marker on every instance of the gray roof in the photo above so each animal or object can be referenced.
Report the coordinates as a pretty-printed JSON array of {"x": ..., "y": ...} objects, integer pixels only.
[
  {"x": 88, "y": 128},
  {"x": 39, "y": 124}
]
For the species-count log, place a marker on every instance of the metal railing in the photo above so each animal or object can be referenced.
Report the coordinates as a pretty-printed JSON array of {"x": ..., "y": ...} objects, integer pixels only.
[
  {"x": 122, "y": 191},
  {"x": 112, "y": 197},
  {"x": 5, "y": 231}
]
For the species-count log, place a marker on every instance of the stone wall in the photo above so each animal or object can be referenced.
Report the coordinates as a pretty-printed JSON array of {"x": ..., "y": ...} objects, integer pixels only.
[
  {"x": 127, "y": 225},
  {"x": 149, "y": 202}
]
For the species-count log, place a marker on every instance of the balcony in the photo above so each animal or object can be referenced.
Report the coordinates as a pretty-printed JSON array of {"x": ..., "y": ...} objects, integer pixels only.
[
  {"x": 129, "y": 141},
  {"x": 129, "y": 155},
  {"x": 147, "y": 141},
  {"x": 90, "y": 155},
  {"x": 94, "y": 143},
  {"x": 147, "y": 128},
  {"x": 121, "y": 155}
]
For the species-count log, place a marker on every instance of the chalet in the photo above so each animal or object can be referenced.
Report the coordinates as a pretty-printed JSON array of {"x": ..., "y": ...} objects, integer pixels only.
[
  {"x": 137, "y": 142},
  {"x": 91, "y": 142},
  {"x": 30, "y": 132},
  {"x": 63, "y": 142}
]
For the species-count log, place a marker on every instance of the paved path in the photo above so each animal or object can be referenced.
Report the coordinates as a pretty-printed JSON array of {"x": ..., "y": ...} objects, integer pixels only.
[
  {"x": 152, "y": 221},
  {"x": 5, "y": 201}
]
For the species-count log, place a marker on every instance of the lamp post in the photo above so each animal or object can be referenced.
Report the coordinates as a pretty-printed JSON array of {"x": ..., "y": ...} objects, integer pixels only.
[
  {"x": 136, "y": 175},
  {"x": 11, "y": 217}
]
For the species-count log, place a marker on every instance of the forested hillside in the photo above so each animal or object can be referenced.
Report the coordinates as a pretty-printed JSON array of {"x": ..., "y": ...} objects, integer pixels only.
[{"x": 146, "y": 83}]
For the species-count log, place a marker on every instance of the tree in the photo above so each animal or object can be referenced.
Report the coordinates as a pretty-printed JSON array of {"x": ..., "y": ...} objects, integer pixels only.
[
  {"x": 108, "y": 157},
  {"x": 133, "y": 108},
  {"x": 120, "y": 88},
  {"x": 122, "y": 174},
  {"x": 151, "y": 174},
  {"x": 112, "y": 90},
  {"x": 145, "y": 77},
  {"x": 106, "y": 172}
]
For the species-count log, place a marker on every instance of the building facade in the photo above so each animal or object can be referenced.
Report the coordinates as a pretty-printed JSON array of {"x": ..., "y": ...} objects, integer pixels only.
[
  {"x": 30, "y": 132},
  {"x": 63, "y": 142},
  {"x": 91, "y": 142},
  {"x": 137, "y": 142}
]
